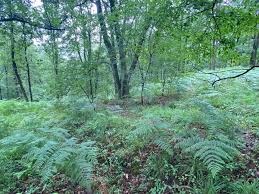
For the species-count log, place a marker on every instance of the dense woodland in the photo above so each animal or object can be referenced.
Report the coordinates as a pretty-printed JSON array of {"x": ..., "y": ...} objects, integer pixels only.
[{"x": 129, "y": 96}]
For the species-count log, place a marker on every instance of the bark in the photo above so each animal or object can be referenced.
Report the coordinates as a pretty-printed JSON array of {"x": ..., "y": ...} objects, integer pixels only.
[
  {"x": 14, "y": 65},
  {"x": 213, "y": 55},
  {"x": 124, "y": 91},
  {"x": 27, "y": 64},
  {"x": 253, "y": 59},
  {"x": 109, "y": 46},
  {"x": 16, "y": 87},
  {"x": 163, "y": 77},
  {"x": 89, "y": 53},
  {"x": 28, "y": 74},
  {"x": 55, "y": 61},
  {"x": 6, "y": 82},
  {"x": 122, "y": 79}
]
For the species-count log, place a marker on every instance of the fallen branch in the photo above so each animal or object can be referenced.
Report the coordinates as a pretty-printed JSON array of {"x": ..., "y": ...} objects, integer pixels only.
[{"x": 235, "y": 76}]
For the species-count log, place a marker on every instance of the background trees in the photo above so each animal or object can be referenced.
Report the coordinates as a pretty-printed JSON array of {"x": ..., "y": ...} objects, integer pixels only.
[{"x": 56, "y": 48}]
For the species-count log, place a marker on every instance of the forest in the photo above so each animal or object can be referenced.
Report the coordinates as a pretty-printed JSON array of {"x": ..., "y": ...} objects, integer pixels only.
[{"x": 129, "y": 96}]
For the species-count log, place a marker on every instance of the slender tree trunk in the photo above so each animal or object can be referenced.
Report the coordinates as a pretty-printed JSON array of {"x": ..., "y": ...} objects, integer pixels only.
[
  {"x": 253, "y": 58},
  {"x": 6, "y": 82},
  {"x": 55, "y": 61},
  {"x": 142, "y": 85},
  {"x": 213, "y": 55},
  {"x": 27, "y": 64},
  {"x": 14, "y": 65},
  {"x": 163, "y": 77},
  {"x": 28, "y": 73},
  {"x": 90, "y": 63},
  {"x": 16, "y": 85}
]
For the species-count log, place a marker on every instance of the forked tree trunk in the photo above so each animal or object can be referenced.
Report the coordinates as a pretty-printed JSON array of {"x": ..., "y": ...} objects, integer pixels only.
[
  {"x": 110, "y": 48},
  {"x": 122, "y": 78}
]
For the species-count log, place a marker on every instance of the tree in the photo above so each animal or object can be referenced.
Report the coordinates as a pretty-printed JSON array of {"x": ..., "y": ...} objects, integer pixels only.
[{"x": 122, "y": 74}]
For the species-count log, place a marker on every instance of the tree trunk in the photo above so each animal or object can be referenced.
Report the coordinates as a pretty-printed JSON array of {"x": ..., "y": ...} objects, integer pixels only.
[
  {"x": 124, "y": 91},
  {"x": 6, "y": 82},
  {"x": 55, "y": 61},
  {"x": 122, "y": 79},
  {"x": 142, "y": 87},
  {"x": 28, "y": 73},
  {"x": 253, "y": 59},
  {"x": 163, "y": 78},
  {"x": 27, "y": 63},
  {"x": 14, "y": 65},
  {"x": 213, "y": 55},
  {"x": 110, "y": 48}
]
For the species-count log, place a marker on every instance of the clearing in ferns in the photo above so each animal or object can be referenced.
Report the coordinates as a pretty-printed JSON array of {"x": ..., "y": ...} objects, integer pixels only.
[{"x": 127, "y": 96}]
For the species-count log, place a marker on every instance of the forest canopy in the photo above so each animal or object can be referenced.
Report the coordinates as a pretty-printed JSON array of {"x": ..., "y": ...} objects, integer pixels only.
[{"x": 74, "y": 46}]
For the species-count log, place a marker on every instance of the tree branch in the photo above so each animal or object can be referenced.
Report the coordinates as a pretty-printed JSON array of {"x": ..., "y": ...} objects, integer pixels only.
[
  {"x": 29, "y": 22},
  {"x": 235, "y": 76}
]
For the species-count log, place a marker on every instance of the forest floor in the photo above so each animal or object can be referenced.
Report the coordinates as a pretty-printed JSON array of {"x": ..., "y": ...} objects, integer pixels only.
[{"x": 140, "y": 148}]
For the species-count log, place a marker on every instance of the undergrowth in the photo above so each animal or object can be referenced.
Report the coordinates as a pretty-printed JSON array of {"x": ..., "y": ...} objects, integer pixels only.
[{"x": 205, "y": 141}]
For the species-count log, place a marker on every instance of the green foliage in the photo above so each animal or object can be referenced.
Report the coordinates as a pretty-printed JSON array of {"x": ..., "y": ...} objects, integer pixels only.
[
  {"x": 153, "y": 130},
  {"x": 51, "y": 151},
  {"x": 197, "y": 113},
  {"x": 193, "y": 145},
  {"x": 245, "y": 187},
  {"x": 210, "y": 186},
  {"x": 213, "y": 153},
  {"x": 72, "y": 58}
]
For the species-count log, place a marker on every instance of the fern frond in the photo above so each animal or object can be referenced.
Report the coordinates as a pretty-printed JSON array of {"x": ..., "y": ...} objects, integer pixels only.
[
  {"x": 164, "y": 145},
  {"x": 143, "y": 130},
  {"x": 213, "y": 153},
  {"x": 187, "y": 142},
  {"x": 50, "y": 154}
]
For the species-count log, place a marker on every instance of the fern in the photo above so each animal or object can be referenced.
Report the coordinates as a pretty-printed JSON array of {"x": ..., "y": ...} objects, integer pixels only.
[
  {"x": 245, "y": 187},
  {"x": 52, "y": 152},
  {"x": 149, "y": 129},
  {"x": 143, "y": 130},
  {"x": 213, "y": 153},
  {"x": 164, "y": 145}
]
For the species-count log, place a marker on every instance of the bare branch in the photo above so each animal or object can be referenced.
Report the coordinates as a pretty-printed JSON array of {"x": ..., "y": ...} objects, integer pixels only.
[
  {"x": 29, "y": 22},
  {"x": 235, "y": 76}
]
